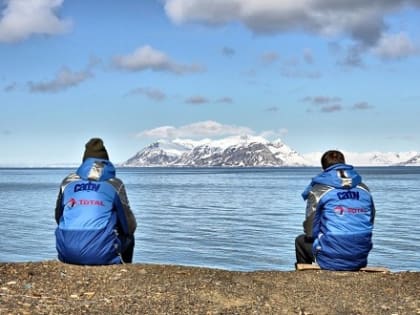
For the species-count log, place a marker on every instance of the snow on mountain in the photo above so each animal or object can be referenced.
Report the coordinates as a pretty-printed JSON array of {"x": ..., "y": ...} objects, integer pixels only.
[
  {"x": 251, "y": 151},
  {"x": 367, "y": 158},
  {"x": 413, "y": 161},
  {"x": 160, "y": 153},
  {"x": 286, "y": 154},
  {"x": 378, "y": 158},
  {"x": 246, "y": 151}
]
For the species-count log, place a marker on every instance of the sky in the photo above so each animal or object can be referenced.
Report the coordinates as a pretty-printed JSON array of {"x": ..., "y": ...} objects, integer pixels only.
[{"x": 317, "y": 74}]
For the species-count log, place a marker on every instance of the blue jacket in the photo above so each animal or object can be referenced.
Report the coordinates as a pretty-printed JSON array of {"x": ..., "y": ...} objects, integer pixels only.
[
  {"x": 92, "y": 211},
  {"x": 339, "y": 216}
]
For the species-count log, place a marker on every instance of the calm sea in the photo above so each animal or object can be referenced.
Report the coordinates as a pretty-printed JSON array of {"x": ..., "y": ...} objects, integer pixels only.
[{"x": 228, "y": 218}]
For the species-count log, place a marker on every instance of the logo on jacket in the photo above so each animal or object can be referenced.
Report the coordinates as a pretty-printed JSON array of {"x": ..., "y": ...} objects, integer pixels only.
[
  {"x": 87, "y": 186},
  {"x": 71, "y": 203},
  {"x": 341, "y": 210},
  {"x": 348, "y": 195},
  {"x": 85, "y": 202}
]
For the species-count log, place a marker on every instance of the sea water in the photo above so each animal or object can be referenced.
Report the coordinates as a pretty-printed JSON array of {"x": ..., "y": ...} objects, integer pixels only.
[{"x": 230, "y": 218}]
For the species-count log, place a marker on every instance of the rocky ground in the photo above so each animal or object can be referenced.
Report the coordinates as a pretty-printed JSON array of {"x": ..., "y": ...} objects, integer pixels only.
[{"x": 55, "y": 288}]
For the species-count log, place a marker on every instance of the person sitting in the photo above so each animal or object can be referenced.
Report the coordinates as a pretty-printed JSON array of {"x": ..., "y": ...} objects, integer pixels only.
[
  {"x": 339, "y": 220},
  {"x": 95, "y": 224}
]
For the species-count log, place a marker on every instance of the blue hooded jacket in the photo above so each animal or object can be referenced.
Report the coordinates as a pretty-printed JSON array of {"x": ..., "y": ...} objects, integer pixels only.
[
  {"x": 90, "y": 216},
  {"x": 343, "y": 219}
]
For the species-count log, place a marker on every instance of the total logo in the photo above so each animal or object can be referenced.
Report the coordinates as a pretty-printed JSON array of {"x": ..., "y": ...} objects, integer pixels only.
[
  {"x": 84, "y": 202},
  {"x": 71, "y": 203},
  {"x": 341, "y": 210}
]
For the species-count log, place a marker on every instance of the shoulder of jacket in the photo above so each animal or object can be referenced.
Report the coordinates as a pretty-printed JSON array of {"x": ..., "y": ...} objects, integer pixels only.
[
  {"x": 116, "y": 183},
  {"x": 70, "y": 178},
  {"x": 319, "y": 190},
  {"x": 364, "y": 187}
]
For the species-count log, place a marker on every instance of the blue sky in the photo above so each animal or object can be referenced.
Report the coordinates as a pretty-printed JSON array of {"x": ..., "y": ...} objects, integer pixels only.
[{"x": 318, "y": 74}]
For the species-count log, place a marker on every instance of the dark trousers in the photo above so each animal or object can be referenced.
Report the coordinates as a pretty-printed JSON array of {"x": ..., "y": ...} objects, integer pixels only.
[
  {"x": 303, "y": 246},
  {"x": 127, "y": 248}
]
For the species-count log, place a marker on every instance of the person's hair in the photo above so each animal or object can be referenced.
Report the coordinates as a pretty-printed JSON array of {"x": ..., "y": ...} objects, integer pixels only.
[
  {"x": 95, "y": 149},
  {"x": 332, "y": 157}
]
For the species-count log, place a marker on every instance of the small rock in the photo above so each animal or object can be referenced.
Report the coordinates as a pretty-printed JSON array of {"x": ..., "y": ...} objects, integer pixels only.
[
  {"x": 27, "y": 286},
  {"x": 89, "y": 294}
]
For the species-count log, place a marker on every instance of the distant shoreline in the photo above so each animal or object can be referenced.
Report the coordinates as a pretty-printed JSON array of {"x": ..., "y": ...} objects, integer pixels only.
[{"x": 204, "y": 167}]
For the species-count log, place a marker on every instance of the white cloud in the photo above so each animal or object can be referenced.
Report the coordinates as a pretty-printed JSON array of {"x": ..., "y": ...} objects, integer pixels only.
[
  {"x": 274, "y": 134},
  {"x": 64, "y": 79},
  {"x": 331, "y": 108},
  {"x": 200, "y": 129},
  {"x": 148, "y": 58},
  {"x": 363, "y": 21},
  {"x": 209, "y": 11},
  {"x": 395, "y": 46},
  {"x": 199, "y": 100},
  {"x": 22, "y": 18},
  {"x": 151, "y": 93},
  {"x": 196, "y": 100},
  {"x": 320, "y": 100},
  {"x": 328, "y": 104},
  {"x": 324, "y": 104}
]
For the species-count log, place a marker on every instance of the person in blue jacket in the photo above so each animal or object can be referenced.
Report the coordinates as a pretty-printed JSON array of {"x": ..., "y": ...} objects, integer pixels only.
[
  {"x": 339, "y": 220},
  {"x": 95, "y": 224}
]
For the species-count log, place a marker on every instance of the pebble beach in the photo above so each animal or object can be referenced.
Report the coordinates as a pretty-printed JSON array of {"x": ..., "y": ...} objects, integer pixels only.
[{"x": 52, "y": 287}]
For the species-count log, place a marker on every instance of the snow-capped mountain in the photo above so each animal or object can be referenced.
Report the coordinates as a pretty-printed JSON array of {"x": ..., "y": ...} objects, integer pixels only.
[
  {"x": 246, "y": 151},
  {"x": 413, "y": 161},
  {"x": 159, "y": 153},
  {"x": 369, "y": 158},
  {"x": 251, "y": 151}
]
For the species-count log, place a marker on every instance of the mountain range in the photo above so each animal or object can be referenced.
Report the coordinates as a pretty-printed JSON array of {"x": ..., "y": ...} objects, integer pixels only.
[{"x": 250, "y": 151}]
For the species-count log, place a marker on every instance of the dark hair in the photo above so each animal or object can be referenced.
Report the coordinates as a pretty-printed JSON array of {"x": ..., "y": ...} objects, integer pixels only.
[
  {"x": 95, "y": 149},
  {"x": 331, "y": 157}
]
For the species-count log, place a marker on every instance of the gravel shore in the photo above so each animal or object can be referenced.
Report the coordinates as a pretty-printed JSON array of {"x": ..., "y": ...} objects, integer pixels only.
[{"x": 55, "y": 288}]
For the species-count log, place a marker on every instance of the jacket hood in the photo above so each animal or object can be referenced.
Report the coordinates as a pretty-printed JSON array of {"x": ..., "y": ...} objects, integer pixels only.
[
  {"x": 330, "y": 177},
  {"x": 96, "y": 169}
]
